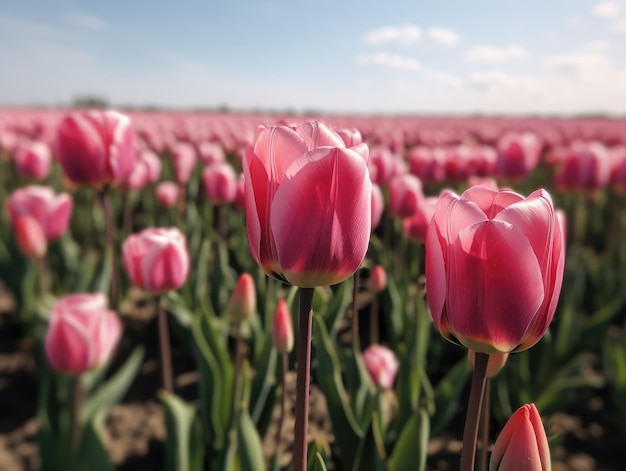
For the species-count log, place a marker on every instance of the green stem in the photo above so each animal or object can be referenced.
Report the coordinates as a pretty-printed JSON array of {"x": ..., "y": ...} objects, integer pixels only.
[
  {"x": 110, "y": 242},
  {"x": 238, "y": 361},
  {"x": 75, "y": 407},
  {"x": 283, "y": 398},
  {"x": 164, "y": 347},
  {"x": 470, "y": 433},
  {"x": 303, "y": 378},
  {"x": 356, "y": 344}
]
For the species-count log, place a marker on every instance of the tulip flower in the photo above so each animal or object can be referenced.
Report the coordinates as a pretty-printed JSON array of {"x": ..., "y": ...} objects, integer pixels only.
[
  {"x": 522, "y": 445},
  {"x": 29, "y": 237},
  {"x": 405, "y": 195},
  {"x": 584, "y": 166},
  {"x": 378, "y": 279},
  {"x": 308, "y": 204},
  {"x": 494, "y": 268},
  {"x": 33, "y": 160},
  {"x": 378, "y": 205},
  {"x": 157, "y": 259},
  {"x": 382, "y": 365},
  {"x": 184, "y": 157},
  {"x": 82, "y": 333},
  {"x": 518, "y": 155},
  {"x": 50, "y": 211},
  {"x": 242, "y": 302},
  {"x": 220, "y": 182},
  {"x": 416, "y": 226},
  {"x": 96, "y": 148},
  {"x": 167, "y": 193},
  {"x": 282, "y": 328}
]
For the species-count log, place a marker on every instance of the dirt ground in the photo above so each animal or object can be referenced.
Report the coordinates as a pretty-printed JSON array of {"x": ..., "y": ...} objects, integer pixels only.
[{"x": 135, "y": 431}]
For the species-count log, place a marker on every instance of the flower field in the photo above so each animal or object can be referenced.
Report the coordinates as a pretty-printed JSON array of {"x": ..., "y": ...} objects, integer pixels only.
[{"x": 230, "y": 291}]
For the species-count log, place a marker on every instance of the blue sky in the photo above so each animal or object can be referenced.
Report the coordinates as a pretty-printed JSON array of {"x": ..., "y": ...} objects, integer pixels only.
[{"x": 446, "y": 56}]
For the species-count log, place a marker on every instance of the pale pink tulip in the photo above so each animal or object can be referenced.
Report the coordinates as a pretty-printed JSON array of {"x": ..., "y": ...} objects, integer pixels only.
[
  {"x": 220, "y": 183},
  {"x": 82, "y": 333},
  {"x": 382, "y": 365},
  {"x": 33, "y": 160},
  {"x": 184, "y": 158},
  {"x": 405, "y": 195},
  {"x": 157, "y": 259},
  {"x": 242, "y": 302},
  {"x": 167, "y": 194}
]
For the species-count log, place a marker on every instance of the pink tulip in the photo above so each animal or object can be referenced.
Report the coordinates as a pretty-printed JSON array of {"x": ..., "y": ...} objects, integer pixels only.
[
  {"x": 147, "y": 170},
  {"x": 522, "y": 445},
  {"x": 382, "y": 365},
  {"x": 282, "y": 328},
  {"x": 29, "y": 237},
  {"x": 584, "y": 166},
  {"x": 220, "y": 183},
  {"x": 157, "y": 259},
  {"x": 350, "y": 136},
  {"x": 211, "y": 153},
  {"x": 378, "y": 279},
  {"x": 167, "y": 193},
  {"x": 184, "y": 158},
  {"x": 405, "y": 195},
  {"x": 242, "y": 302},
  {"x": 82, "y": 333},
  {"x": 378, "y": 205},
  {"x": 518, "y": 155},
  {"x": 96, "y": 148},
  {"x": 240, "y": 197},
  {"x": 308, "y": 204},
  {"x": 52, "y": 212},
  {"x": 416, "y": 226},
  {"x": 429, "y": 165},
  {"x": 381, "y": 165},
  {"x": 33, "y": 160},
  {"x": 494, "y": 268}
]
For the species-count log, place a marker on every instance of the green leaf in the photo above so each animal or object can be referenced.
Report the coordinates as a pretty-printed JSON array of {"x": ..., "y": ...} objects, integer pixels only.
[
  {"x": 263, "y": 395},
  {"x": 448, "y": 392},
  {"x": 93, "y": 455},
  {"x": 318, "y": 463},
  {"x": 184, "y": 447},
  {"x": 412, "y": 446}
]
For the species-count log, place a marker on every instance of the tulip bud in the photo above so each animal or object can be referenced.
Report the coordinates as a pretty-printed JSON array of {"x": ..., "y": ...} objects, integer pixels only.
[
  {"x": 282, "y": 328},
  {"x": 242, "y": 302},
  {"x": 82, "y": 333},
  {"x": 495, "y": 364},
  {"x": 167, "y": 194},
  {"x": 378, "y": 279},
  {"x": 29, "y": 237},
  {"x": 157, "y": 259},
  {"x": 220, "y": 182},
  {"x": 405, "y": 195},
  {"x": 382, "y": 365},
  {"x": 416, "y": 226},
  {"x": 522, "y": 445},
  {"x": 33, "y": 160},
  {"x": 184, "y": 157}
]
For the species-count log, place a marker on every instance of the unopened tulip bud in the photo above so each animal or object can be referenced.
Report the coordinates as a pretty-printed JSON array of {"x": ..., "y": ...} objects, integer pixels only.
[
  {"x": 167, "y": 194},
  {"x": 242, "y": 302},
  {"x": 495, "y": 364},
  {"x": 82, "y": 333},
  {"x": 405, "y": 195},
  {"x": 220, "y": 182},
  {"x": 378, "y": 279},
  {"x": 522, "y": 445},
  {"x": 382, "y": 365},
  {"x": 282, "y": 328},
  {"x": 29, "y": 237},
  {"x": 33, "y": 160}
]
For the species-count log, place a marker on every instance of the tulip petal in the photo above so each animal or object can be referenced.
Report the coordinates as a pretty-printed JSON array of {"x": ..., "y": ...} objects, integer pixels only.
[
  {"x": 321, "y": 217},
  {"x": 316, "y": 134},
  {"x": 490, "y": 200},
  {"x": 436, "y": 284},
  {"x": 277, "y": 148},
  {"x": 497, "y": 274}
]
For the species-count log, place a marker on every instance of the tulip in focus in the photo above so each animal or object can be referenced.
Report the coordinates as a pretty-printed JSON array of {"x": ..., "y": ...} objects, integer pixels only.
[
  {"x": 282, "y": 328},
  {"x": 96, "y": 148},
  {"x": 220, "y": 182},
  {"x": 167, "y": 193},
  {"x": 494, "y": 268},
  {"x": 33, "y": 160},
  {"x": 522, "y": 445},
  {"x": 50, "y": 211},
  {"x": 495, "y": 364},
  {"x": 242, "y": 302},
  {"x": 157, "y": 259},
  {"x": 382, "y": 365},
  {"x": 308, "y": 204},
  {"x": 82, "y": 333}
]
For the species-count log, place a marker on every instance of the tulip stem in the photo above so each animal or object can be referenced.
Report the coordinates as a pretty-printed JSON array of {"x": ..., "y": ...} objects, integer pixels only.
[
  {"x": 110, "y": 242},
  {"x": 164, "y": 346},
  {"x": 75, "y": 407},
  {"x": 484, "y": 427},
  {"x": 238, "y": 361},
  {"x": 283, "y": 398},
  {"x": 303, "y": 378},
  {"x": 356, "y": 343},
  {"x": 470, "y": 433}
]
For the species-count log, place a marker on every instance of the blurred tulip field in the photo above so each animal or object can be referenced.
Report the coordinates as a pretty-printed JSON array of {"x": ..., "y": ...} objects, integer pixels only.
[{"x": 154, "y": 267}]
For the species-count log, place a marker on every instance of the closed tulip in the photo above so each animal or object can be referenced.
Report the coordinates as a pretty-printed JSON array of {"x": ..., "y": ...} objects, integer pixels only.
[
  {"x": 184, "y": 158},
  {"x": 82, "y": 333},
  {"x": 382, "y": 365},
  {"x": 220, "y": 182},
  {"x": 167, "y": 193},
  {"x": 522, "y": 445},
  {"x": 518, "y": 155},
  {"x": 494, "y": 268},
  {"x": 282, "y": 328},
  {"x": 50, "y": 211},
  {"x": 33, "y": 160},
  {"x": 96, "y": 148},
  {"x": 242, "y": 302},
  {"x": 405, "y": 195},
  {"x": 416, "y": 226},
  {"x": 377, "y": 281},
  {"x": 157, "y": 259},
  {"x": 308, "y": 204}
]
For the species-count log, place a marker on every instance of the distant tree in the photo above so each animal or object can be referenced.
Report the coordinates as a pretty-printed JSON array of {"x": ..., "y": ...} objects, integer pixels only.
[{"x": 90, "y": 101}]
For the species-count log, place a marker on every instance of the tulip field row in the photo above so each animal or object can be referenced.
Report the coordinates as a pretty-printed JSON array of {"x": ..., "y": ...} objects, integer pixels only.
[{"x": 454, "y": 289}]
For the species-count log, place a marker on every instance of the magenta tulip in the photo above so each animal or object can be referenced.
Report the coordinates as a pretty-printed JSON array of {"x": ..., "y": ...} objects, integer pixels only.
[
  {"x": 96, "y": 148},
  {"x": 29, "y": 236},
  {"x": 494, "y": 268},
  {"x": 308, "y": 204},
  {"x": 522, "y": 445},
  {"x": 584, "y": 166},
  {"x": 377, "y": 281},
  {"x": 52, "y": 212},
  {"x": 157, "y": 259},
  {"x": 382, "y": 365},
  {"x": 82, "y": 333},
  {"x": 518, "y": 155}
]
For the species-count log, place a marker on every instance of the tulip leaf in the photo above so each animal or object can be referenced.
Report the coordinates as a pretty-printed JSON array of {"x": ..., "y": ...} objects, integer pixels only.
[
  {"x": 371, "y": 455},
  {"x": 411, "y": 449},
  {"x": 348, "y": 432},
  {"x": 615, "y": 361},
  {"x": 263, "y": 395},
  {"x": 318, "y": 463},
  {"x": 184, "y": 447},
  {"x": 92, "y": 454},
  {"x": 115, "y": 388},
  {"x": 447, "y": 394},
  {"x": 336, "y": 308}
]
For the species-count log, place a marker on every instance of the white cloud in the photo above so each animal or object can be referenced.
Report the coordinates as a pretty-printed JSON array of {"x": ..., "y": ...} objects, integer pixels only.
[
  {"x": 490, "y": 79},
  {"x": 619, "y": 26},
  {"x": 403, "y": 35},
  {"x": 393, "y": 61},
  {"x": 442, "y": 36},
  {"x": 580, "y": 65},
  {"x": 605, "y": 9},
  {"x": 599, "y": 45},
  {"x": 84, "y": 20},
  {"x": 495, "y": 54}
]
